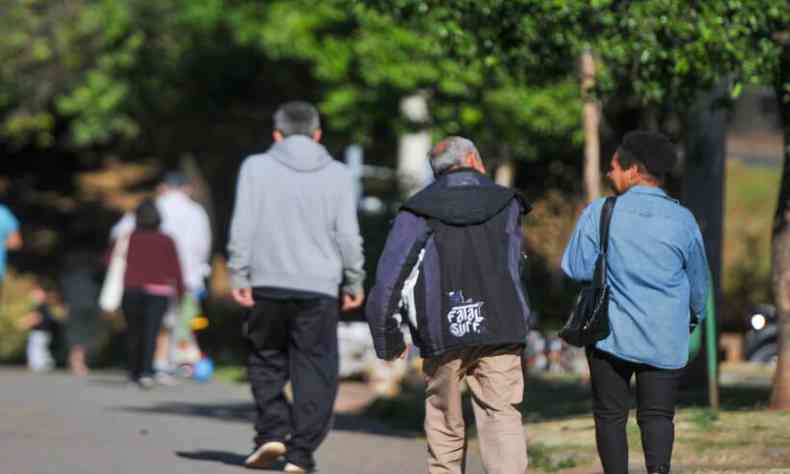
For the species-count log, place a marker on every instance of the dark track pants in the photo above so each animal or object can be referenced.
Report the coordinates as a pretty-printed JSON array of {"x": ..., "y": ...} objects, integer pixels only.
[
  {"x": 144, "y": 313},
  {"x": 656, "y": 391},
  {"x": 296, "y": 340}
]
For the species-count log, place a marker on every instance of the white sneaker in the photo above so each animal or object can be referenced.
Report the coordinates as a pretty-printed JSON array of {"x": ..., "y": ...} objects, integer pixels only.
[
  {"x": 165, "y": 379},
  {"x": 294, "y": 468},
  {"x": 146, "y": 383},
  {"x": 266, "y": 455}
]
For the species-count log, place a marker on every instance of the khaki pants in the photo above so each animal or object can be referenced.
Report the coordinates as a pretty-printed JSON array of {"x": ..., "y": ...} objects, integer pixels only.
[{"x": 495, "y": 378}]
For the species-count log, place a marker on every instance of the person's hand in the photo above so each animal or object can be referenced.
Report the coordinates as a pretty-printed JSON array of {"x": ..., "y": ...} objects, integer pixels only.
[
  {"x": 351, "y": 302},
  {"x": 243, "y": 296},
  {"x": 404, "y": 354}
]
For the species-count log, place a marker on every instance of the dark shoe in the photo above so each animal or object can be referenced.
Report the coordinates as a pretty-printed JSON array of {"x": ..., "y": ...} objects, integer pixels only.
[
  {"x": 266, "y": 455},
  {"x": 662, "y": 469}
]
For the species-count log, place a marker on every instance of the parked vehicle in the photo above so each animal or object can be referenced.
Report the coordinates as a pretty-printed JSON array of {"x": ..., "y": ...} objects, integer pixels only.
[{"x": 761, "y": 343}]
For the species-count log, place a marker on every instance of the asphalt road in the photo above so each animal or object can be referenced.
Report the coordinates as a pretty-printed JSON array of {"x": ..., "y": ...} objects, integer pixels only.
[{"x": 58, "y": 424}]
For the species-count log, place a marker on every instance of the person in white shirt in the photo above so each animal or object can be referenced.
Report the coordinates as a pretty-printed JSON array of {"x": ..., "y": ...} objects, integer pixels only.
[{"x": 187, "y": 223}]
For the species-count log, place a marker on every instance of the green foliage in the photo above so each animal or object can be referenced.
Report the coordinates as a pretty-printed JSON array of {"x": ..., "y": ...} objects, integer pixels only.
[
  {"x": 670, "y": 50},
  {"x": 491, "y": 68},
  {"x": 369, "y": 60},
  {"x": 65, "y": 60},
  {"x": 108, "y": 69},
  {"x": 657, "y": 50}
]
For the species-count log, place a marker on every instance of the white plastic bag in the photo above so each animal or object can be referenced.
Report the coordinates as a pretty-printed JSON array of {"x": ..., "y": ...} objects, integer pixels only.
[{"x": 112, "y": 288}]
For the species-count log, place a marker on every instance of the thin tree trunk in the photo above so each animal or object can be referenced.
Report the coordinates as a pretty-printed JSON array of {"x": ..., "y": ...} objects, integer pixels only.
[
  {"x": 704, "y": 172},
  {"x": 591, "y": 114},
  {"x": 505, "y": 174},
  {"x": 413, "y": 169},
  {"x": 780, "y": 396}
]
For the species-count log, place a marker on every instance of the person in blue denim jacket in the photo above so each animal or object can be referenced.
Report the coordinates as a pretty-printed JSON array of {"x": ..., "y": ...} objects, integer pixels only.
[{"x": 658, "y": 278}]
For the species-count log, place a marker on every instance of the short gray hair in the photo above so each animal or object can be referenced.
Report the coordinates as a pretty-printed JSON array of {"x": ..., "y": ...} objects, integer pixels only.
[
  {"x": 450, "y": 153},
  {"x": 297, "y": 118}
]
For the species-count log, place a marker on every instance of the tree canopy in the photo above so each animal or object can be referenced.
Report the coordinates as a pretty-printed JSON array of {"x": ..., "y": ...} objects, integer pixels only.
[
  {"x": 655, "y": 49},
  {"x": 99, "y": 73}
]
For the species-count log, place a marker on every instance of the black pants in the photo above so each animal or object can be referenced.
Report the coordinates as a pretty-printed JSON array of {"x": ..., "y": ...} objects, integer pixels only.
[
  {"x": 293, "y": 339},
  {"x": 144, "y": 313},
  {"x": 656, "y": 391}
]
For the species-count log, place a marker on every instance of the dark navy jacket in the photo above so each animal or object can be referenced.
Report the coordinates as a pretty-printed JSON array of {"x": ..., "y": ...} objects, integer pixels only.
[{"x": 453, "y": 254}]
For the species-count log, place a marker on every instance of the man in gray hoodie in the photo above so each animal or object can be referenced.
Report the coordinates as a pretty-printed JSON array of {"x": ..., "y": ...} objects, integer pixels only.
[{"x": 294, "y": 249}]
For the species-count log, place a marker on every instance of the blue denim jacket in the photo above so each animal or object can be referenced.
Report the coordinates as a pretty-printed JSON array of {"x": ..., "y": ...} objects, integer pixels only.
[{"x": 657, "y": 273}]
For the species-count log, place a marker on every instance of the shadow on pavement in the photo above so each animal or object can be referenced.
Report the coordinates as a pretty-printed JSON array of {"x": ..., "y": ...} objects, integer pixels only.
[
  {"x": 546, "y": 398},
  {"x": 229, "y": 412},
  {"x": 245, "y": 413},
  {"x": 364, "y": 424},
  {"x": 223, "y": 457},
  {"x": 111, "y": 382}
]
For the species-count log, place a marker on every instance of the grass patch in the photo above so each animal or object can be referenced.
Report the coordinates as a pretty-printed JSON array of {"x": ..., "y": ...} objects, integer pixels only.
[
  {"x": 550, "y": 459},
  {"x": 702, "y": 419},
  {"x": 742, "y": 437},
  {"x": 750, "y": 204},
  {"x": 231, "y": 374}
]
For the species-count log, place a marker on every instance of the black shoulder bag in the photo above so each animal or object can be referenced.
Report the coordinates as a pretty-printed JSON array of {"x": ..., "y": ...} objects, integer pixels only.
[{"x": 589, "y": 320}]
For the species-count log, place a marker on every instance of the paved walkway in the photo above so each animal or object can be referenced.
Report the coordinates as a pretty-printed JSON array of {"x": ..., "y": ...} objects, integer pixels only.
[{"x": 58, "y": 424}]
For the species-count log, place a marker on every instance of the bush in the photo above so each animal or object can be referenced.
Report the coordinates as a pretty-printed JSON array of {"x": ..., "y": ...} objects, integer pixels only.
[
  {"x": 546, "y": 232},
  {"x": 752, "y": 193},
  {"x": 222, "y": 340},
  {"x": 14, "y": 304}
]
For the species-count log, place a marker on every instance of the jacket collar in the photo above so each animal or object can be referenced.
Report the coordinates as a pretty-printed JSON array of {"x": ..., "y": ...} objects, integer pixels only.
[
  {"x": 463, "y": 177},
  {"x": 650, "y": 191}
]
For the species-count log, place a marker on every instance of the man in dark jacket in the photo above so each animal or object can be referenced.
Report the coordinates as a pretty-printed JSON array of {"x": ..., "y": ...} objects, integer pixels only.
[{"x": 450, "y": 270}]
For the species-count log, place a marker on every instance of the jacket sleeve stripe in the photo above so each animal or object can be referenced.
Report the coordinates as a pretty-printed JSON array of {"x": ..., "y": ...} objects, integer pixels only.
[{"x": 401, "y": 251}]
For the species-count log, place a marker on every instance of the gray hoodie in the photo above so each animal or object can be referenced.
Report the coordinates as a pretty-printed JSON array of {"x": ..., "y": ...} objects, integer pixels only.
[{"x": 295, "y": 224}]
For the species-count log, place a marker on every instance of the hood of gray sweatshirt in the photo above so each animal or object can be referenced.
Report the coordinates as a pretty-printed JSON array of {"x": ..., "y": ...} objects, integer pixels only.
[
  {"x": 294, "y": 224},
  {"x": 300, "y": 153}
]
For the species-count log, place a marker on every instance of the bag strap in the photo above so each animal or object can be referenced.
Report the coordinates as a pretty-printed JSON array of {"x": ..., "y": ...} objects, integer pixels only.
[
  {"x": 606, "y": 219},
  {"x": 121, "y": 248}
]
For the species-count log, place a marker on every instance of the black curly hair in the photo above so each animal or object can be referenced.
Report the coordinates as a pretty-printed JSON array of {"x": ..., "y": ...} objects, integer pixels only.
[{"x": 652, "y": 152}]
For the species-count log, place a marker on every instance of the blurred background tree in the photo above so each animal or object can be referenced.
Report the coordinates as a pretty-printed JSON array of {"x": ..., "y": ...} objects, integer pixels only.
[{"x": 168, "y": 83}]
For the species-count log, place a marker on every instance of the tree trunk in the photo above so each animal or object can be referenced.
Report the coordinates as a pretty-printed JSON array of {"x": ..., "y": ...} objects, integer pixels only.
[
  {"x": 704, "y": 172},
  {"x": 505, "y": 174},
  {"x": 591, "y": 114},
  {"x": 703, "y": 192},
  {"x": 780, "y": 396}
]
